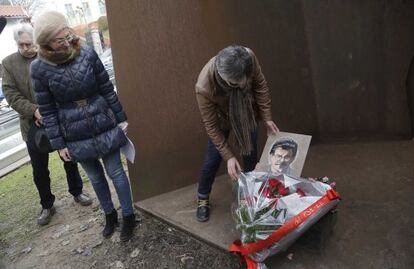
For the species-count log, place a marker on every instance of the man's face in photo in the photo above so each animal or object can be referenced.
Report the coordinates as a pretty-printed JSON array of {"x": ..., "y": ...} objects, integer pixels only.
[{"x": 280, "y": 160}]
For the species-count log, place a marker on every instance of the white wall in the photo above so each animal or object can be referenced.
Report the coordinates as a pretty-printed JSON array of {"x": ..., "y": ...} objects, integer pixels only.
[{"x": 7, "y": 43}]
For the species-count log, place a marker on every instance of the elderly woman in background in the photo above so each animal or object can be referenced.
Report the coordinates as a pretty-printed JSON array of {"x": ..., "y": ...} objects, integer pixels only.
[{"x": 83, "y": 117}]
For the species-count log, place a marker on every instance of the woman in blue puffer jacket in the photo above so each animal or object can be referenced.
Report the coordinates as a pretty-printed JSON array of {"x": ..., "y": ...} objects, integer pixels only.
[{"x": 83, "y": 117}]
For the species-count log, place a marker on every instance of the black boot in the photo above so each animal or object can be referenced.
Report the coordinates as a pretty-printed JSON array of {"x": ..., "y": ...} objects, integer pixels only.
[
  {"x": 127, "y": 228},
  {"x": 203, "y": 210},
  {"x": 111, "y": 220}
]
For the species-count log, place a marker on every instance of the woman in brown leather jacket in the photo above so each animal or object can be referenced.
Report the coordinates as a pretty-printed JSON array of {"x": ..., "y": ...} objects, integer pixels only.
[{"x": 232, "y": 95}]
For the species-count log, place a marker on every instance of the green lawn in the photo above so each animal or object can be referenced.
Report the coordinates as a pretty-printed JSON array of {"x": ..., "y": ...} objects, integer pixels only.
[{"x": 20, "y": 202}]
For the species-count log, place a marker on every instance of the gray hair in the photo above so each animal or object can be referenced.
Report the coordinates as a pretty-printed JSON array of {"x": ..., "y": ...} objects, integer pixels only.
[
  {"x": 234, "y": 62},
  {"x": 22, "y": 28}
]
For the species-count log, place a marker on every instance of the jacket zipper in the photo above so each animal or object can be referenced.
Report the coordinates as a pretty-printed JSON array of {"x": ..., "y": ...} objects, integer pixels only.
[
  {"x": 71, "y": 76},
  {"x": 87, "y": 116},
  {"x": 93, "y": 132}
]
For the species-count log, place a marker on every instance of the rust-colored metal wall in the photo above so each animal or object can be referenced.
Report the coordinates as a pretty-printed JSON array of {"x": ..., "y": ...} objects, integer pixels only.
[
  {"x": 333, "y": 67},
  {"x": 360, "y": 54}
]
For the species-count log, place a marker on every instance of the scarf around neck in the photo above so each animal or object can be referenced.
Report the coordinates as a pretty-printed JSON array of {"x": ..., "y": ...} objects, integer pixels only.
[{"x": 241, "y": 114}]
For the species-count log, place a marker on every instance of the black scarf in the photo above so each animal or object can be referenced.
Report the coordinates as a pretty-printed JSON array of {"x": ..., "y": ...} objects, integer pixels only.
[{"x": 241, "y": 114}]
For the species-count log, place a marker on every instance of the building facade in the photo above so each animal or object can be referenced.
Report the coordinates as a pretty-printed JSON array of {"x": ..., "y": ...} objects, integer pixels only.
[
  {"x": 13, "y": 15},
  {"x": 80, "y": 11}
]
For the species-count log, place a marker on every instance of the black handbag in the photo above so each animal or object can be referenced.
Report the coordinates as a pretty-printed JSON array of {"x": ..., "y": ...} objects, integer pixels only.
[{"x": 38, "y": 140}]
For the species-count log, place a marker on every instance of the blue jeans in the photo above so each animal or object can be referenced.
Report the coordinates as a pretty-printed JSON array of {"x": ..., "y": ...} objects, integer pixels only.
[
  {"x": 115, "y": 171},
  {"x": 212, "y": 163}
]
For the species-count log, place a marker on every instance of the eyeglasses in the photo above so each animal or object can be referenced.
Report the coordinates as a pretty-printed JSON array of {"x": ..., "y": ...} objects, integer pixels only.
[{"x": 61, "y": 41}]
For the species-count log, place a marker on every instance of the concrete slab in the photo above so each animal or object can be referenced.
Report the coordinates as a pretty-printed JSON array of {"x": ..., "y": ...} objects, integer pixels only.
[
  {"x": 14, "y": 165},
  {"x": 13, "y": 153},
  {"x": 374, "y": 225},
  {"x": 178, "y": 208}
]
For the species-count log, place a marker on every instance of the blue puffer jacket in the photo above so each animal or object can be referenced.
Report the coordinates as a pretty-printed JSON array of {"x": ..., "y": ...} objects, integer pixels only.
[{"x": 79, "y": 106}]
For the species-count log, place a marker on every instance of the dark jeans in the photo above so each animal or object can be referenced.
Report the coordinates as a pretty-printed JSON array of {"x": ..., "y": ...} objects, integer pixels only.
[
  {"x": 212, "y": 163},
  {"x": 40, "y": 162}
]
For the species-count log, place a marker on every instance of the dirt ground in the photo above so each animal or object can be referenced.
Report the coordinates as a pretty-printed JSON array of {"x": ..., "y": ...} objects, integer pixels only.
[{"x": 73, "y": 240}]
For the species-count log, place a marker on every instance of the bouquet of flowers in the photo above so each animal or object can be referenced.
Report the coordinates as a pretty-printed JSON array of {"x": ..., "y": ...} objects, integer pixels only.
[{"x": 272, "y": 211}]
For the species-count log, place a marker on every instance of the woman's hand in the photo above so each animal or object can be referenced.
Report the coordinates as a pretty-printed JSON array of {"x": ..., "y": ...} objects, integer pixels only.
[
  {"x": 64, "y": 153},
  {"x": 233, "y": 168},
  {"x": 271, "y": 127}
]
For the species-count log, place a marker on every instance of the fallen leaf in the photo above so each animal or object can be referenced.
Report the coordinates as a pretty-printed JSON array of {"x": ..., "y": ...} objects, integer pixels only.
[
  {"x": 134, "y": 253},
  {"x": 60, "y": 231},
  {"x": 117, "y": 265},
  {"x": 26, "y": 250},
  {"x": 78, "y": 250},
  {"x": 87, "y": 252},
  {"x": 115, "y": 239},
  {"x": 84, "y": 227},
  {"x": 97, "y": 244},
  {"x": 185, "y": 258},
  {"x": 93, "y": 219}
]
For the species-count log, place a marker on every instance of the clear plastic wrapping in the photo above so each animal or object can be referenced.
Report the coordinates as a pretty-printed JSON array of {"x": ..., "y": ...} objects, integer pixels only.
[{"x": 264, "y": 202}]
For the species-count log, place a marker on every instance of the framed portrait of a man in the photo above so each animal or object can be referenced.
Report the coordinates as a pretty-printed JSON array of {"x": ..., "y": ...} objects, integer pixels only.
[{"x": 284, "y": 153}]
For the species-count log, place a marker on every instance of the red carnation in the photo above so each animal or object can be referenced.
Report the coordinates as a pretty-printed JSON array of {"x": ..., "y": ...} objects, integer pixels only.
[
  {"x": 274, "y": 183},
  {"x": 282, "y": 190},
  {"x": 300, "y": 192},
  {"x": 266, "y": 191}
]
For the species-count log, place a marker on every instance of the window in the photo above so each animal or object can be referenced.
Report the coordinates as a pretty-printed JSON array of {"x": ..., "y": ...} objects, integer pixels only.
[
  {"x": 102, "y": 7},
  {"x": 69, "y": 10},
  {"x": 86, "y": 9}
]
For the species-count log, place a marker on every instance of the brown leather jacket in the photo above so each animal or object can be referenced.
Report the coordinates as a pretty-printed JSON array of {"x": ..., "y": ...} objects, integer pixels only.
[{"x": 214, "y": 104}]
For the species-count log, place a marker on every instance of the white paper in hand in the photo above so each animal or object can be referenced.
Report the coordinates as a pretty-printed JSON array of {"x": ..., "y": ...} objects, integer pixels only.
[{"x": 129, "y": 150}]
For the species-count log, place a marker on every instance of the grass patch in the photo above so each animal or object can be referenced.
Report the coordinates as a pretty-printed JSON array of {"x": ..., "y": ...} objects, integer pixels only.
[{"x": 20, "y": 202}]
